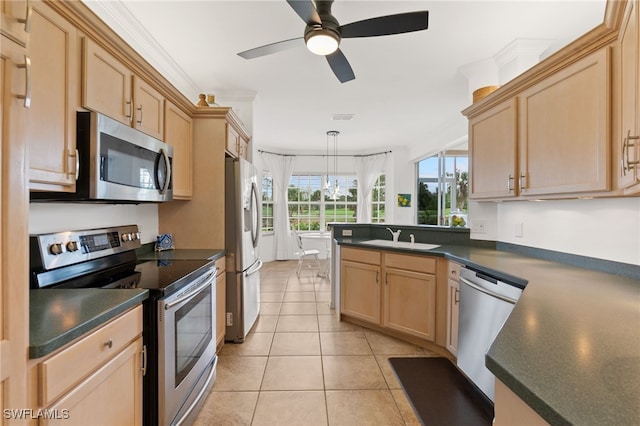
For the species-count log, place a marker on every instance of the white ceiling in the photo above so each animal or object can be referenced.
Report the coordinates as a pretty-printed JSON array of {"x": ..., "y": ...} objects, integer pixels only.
[{"x": 408, "y": 89}]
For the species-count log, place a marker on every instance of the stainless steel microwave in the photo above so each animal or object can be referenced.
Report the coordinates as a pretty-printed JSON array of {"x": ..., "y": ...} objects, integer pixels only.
[{"x": 117, "y": 164}]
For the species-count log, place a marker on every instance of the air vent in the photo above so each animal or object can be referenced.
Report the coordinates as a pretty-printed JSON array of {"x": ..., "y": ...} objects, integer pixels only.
[{"x": 342, "y": 117}]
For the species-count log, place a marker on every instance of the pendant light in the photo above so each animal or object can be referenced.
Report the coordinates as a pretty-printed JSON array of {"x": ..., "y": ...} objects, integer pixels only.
[{"x": 333, "y": 193}]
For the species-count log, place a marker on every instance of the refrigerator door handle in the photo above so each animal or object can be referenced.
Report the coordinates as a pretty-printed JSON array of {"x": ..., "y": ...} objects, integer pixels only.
[
  {"x": 255, "y": 215},
  {"x": 255, "y": 267}
]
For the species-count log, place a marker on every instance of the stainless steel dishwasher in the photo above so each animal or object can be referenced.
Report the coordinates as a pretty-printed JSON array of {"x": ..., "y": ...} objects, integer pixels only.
[{"x": 485, "y": 304}]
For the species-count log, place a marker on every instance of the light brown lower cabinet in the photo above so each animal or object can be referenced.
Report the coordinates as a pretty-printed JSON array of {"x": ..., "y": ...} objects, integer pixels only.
[
  {"x": 94, "y": 380},
  {"x": 453, "y": 306},
  {"x": 221, "y": 298},
  {"x": 389, "y": 289},
  {"x": 511, "y": 410}
]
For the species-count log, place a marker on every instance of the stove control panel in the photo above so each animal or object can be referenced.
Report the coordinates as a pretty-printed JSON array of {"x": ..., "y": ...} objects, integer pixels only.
[{"x": 50, "y": 251}]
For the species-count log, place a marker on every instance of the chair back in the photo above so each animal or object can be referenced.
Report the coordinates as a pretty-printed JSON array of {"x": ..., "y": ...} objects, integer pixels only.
[{"x": 298, "y": 240}]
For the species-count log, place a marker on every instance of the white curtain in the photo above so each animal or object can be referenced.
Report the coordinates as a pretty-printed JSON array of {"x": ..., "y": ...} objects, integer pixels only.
[
  {"x": 281, "y": 167},
  {"x": 368, "y": 168}
]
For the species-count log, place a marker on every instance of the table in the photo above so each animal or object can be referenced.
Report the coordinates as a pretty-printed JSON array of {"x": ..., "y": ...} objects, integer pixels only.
[{"x": 325, "y": 272}]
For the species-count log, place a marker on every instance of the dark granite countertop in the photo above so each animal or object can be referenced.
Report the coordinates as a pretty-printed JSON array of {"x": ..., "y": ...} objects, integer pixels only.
[
  {"x": 571, "y": 347},
  {"x": 58, "y": 316}
]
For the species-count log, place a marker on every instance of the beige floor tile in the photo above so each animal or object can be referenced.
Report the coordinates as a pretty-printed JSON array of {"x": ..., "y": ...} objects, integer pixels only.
[
  {"x": 293, "y": 373},
  {"x": 274, "y": 296},
  {"x": 255, "y": 344},
  {"x": 406, "y": 410},
  {"x": 265, "y": 324},
  {"x": 344, "y": 343},
  {"x": 362, "y": 408},
  {"x": 240, "y": 373},
  {"x": 387, "y": 371},
  {"x": 323, "y": 296},
  {"x": 297, "y": 323},
  {"x": 295, "y": 344},
  {"x": 300, "y": 296},
  {"x": 324, "y": 309},
  {"x": 270, "y": 308},
  {"x": 277, "y": 287},
  {"x": 324, "y": 285},
  {"x": 332, "y": 323},
  {"x": 382, "y": 344},
  {"x": 227, "y": 409},
  {"x": 301, "y": 408},
  {"x": 352, "y": 372},
  {"x": 298, "y": 308},
  {"x": 297, "y": 287}
]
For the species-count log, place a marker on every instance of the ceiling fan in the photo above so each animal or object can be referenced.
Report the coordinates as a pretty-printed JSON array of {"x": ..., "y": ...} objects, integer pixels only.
[{"x": 323, "y": 33}]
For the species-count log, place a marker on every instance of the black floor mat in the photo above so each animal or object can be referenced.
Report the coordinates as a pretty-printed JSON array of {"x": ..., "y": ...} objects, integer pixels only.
[{"x": 440, "y": 394}]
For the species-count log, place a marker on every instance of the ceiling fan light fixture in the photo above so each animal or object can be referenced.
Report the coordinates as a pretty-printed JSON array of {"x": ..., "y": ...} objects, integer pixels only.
[{"x": 322, "y": 41}]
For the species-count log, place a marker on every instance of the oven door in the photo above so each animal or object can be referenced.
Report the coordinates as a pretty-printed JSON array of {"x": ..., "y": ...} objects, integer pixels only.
[{"x": 186, "y": 347}]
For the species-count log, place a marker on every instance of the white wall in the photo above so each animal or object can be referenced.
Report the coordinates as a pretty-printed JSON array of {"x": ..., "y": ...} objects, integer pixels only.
[{"x": 57, "y": 217}]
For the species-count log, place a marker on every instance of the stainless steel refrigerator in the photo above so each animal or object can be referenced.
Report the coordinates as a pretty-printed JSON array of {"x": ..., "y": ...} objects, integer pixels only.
[{"x": 242, "y": 233}]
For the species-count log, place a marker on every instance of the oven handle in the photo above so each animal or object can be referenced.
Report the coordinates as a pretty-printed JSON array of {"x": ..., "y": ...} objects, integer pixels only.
[
  {"x": 200, "y": 394},
  {"x": 211, "y": 276}
]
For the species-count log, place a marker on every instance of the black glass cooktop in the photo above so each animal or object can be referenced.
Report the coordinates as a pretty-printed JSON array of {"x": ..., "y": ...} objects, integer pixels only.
[{"x": 166, "y": 275}]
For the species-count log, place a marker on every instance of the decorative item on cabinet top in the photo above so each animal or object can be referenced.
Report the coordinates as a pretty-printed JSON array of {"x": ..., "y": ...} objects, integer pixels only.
[{"x": 483, "y": 92}]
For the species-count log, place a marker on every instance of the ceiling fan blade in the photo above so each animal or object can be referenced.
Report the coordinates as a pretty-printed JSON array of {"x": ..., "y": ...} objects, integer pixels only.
[
  {"x": 387, "y": 25},
  {"x": 268, "y": 49},
  {"x": 340, "y": 66},
  {"x": 306, "y": 10}
]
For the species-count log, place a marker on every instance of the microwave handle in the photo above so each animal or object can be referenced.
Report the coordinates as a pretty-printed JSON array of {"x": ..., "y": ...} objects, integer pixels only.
[{"x": 167, "y": 180}]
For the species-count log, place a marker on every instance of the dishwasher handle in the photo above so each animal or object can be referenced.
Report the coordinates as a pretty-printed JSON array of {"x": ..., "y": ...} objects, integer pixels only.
[{"x": 488, "y": 292}]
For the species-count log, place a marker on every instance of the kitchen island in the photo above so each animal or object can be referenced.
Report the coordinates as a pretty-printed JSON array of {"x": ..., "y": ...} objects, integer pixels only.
[{"x": 571, "y": 347}]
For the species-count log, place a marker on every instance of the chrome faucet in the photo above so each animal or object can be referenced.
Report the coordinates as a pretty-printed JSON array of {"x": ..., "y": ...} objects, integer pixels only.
[{"x": 395, "y": 234}]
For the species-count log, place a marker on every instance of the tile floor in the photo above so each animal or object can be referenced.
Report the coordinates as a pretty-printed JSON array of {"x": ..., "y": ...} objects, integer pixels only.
[{"x": 301, "y": 366}]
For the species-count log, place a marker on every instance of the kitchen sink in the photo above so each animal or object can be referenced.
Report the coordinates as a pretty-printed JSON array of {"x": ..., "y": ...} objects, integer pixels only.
[{"x": 401, "y": 244}]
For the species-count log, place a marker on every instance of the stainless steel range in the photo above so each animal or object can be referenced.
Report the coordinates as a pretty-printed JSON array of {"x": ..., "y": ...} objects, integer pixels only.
[{"x": 179, "y": 317}]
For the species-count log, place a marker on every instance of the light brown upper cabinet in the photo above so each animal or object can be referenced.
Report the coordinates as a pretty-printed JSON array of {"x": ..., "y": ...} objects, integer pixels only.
[
  {"x": 55, "y": 77},
  {"x": 16, "y": 21},
  {"x": 492, "y": 147},
  {"x": 111, "y": 88},
  {"x": 564, "y": 130},
  {"x": 626, "y": 140},
  {"x": 179, "y": 134},
  {"x": 550, "y": 140}
]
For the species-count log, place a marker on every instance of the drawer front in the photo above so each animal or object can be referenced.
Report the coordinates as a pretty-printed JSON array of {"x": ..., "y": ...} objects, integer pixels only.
[
  {"x": 454, "y": 271},
  {"x": 360, "y": 255},
  {"x": 410, "y": 263},
  {"x": 63, "y": 370}
]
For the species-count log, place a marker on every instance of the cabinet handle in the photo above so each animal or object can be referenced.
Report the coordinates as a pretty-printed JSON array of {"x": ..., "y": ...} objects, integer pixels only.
[
  {"x": 139, "y": 121},
  {"x": 523, "y": 179},
  {"x": 108, "y": 343},
  {"x": 509, "y": 180},
  {"x": 456, "y": 297},
  {"x": 129, "y": 114},
  {"x": 144, "y": 360},
  {"x": 27, "y": 18},
  {"x": 77, "y": 164},
  {"x": 27, "y": 81},
  {"x": 377, "y": 277},
  {"x": 626, "y": 145}
]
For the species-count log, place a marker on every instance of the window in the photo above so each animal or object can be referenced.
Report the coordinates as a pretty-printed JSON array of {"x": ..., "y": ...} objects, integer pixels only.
[
  {"x": 304, "y": 196},
  {"x": 343, "y": 207},
  {"x": 267, "y": 203},
  {"x": 378, "y": 200},
  {"x": 443, "y": 182}
]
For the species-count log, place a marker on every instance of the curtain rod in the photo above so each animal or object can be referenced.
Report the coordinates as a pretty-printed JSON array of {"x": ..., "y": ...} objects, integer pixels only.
[{"x": 323, "y": 155}]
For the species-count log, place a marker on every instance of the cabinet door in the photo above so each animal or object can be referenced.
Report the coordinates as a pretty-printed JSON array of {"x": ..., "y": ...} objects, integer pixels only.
[
  {"x": 14, "y": 212},
  {"x": 16, "y": 21},
  {"x": 106, "y": 83},
  {"x": 492, "y": 148},
  {"x": 627, "y": 143},
  {"x": 410, "y": 302},
  {"x": 179, "y": 134},
  {"x": 233, "y": 139},
  {"x": 564, "y": 130},
  {"x": 55, "y": 58},
  {"x": 453, "y": 303},
  {"x": 149, "y": 109},
  {"x": 221, "y": 298},
  {"x": 112, "y": 395},
  {"x": 360, "y": 291}
]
